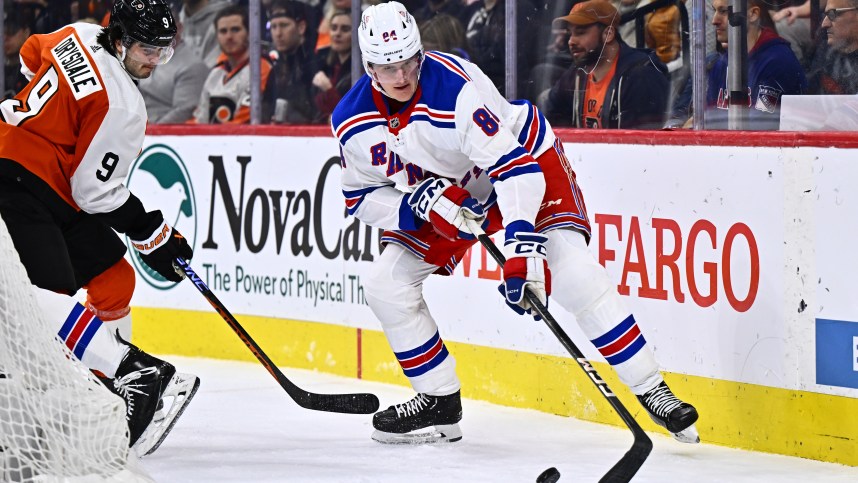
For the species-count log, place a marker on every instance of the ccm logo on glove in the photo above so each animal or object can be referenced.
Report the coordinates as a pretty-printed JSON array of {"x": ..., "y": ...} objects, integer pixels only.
[{"x": 447, "y": 207}]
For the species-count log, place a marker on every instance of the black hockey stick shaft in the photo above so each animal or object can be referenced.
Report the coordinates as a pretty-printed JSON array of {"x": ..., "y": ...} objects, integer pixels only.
[
  {"x": 634, "y": 458},
  {"x": 362, "y": 403}
]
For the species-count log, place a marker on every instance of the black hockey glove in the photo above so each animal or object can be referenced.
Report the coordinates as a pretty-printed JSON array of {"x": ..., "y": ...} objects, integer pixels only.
[{"x": 160, "y": 246}]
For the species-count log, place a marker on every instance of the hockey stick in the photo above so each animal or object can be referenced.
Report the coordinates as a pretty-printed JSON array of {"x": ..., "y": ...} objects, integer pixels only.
[
  {"x": 363, "y": 403},
  {"x": 634, "y": 458}
]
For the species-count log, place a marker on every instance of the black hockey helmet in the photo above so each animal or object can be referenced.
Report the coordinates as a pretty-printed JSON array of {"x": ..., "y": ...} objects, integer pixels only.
[{"x": 146, "y": 21}]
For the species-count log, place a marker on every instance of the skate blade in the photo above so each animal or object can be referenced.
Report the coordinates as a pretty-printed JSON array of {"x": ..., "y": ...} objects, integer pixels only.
[
  {"x": 442, "y": 433},
  {"x": 176, "y": 397},
  {"x": 688, "y": 435}
]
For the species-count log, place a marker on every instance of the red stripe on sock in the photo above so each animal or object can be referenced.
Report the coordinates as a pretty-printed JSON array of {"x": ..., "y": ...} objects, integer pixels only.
[{"x": 622, "y": 342}]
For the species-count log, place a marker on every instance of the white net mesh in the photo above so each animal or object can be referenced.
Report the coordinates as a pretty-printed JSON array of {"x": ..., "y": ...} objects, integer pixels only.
[{"x": 57, "y": 422}]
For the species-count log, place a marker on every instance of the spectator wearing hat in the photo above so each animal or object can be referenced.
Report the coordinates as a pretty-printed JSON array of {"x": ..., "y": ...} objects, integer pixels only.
[
  {"x": 288, "y": 94},
  {"x": 609, "y": 85}
]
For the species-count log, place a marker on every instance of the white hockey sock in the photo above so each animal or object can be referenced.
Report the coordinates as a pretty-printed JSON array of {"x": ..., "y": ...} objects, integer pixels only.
[
  {"x": 82, "y": 332},
  {"x": 395, "y": 295},
  {"x": 583, "y": 287}
]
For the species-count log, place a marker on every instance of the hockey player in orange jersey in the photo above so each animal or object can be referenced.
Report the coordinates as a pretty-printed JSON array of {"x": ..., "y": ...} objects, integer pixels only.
[{"x": 67, "y": 141}]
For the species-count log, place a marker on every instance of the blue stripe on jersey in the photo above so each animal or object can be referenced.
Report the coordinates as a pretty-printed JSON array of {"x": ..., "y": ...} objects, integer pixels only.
[
  {"x": 74, "y": 315},
  {"x": 355, "y": 197},
  {"x": 86, "y": 337},
  {"x": 407, "y": 219},
  {"x": 451, "y": 59},
  {"x": 359, "y": 129},
  {"x": 525, "y": 131},
  {"x": 434, "y": 122},
  {"x": 440, "y": 85},
  {"x": 356, "y": 101}
]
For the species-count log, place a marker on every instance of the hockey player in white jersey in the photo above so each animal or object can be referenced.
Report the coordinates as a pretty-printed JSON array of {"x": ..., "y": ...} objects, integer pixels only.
[
  {"x": 67, "y": 141},
  {"x": 428, "y": 146}
]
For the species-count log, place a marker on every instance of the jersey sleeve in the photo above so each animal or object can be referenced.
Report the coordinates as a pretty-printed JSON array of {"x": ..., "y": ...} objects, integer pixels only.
[
  {"x": 31, "y": 56},
  {"x": 107, "y": 145},
  {"x": 371, "y": 197},
  {"x": 515, "y": 174}
]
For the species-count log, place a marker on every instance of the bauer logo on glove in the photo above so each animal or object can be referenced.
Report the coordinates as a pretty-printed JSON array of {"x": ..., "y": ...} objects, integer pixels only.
[{"x": 162, "y": 247}]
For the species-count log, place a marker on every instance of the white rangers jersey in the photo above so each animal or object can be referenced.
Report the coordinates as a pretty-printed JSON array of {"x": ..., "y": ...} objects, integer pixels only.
[
  {"x": 456, "y": 126},
  {"x": 80, "y": 121}
]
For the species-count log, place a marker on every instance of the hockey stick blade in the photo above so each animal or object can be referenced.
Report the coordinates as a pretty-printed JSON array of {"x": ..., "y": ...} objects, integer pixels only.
[
  {"x": 360, "y": 403},
  {"x": 631, "y": 462}
]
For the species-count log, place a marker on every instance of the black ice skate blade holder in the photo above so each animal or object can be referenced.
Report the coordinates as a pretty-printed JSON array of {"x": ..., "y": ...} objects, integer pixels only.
[
  {"x": 361, "y": 403},
  {"x": 630, "y": 463}
]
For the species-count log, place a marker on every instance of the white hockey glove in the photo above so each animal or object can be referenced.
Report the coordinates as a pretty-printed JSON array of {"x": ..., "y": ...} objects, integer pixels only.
[
  {"x": 161, "y": 246},
  {"x": 447, "y": 207},
  {"x": 526, "y": 268}
]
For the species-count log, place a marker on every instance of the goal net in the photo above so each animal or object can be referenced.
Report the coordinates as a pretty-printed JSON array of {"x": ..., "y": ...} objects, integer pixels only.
[{"x": 58, "y": 423}]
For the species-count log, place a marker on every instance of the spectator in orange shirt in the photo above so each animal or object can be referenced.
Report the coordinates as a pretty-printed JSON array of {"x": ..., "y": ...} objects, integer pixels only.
[
  {"x": 610, "y": 85},
  {"x": 226, "y": 94}
]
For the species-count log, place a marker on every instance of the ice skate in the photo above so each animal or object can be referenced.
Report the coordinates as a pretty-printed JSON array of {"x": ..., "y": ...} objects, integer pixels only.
[
  {"x": 423, "y": 420},
  {"x": 155, "y": 396},
  {"x": 671, "y": 413}
]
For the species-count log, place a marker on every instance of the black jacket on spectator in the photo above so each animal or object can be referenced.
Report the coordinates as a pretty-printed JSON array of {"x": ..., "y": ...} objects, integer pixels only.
[
  {"x": 291, "y": 79},
  {"x": 833, "y": 72},
  {"x": 486, "y": 34},
  {"x": 340, "y": 74},
  {"x": 636, "y": 97}
]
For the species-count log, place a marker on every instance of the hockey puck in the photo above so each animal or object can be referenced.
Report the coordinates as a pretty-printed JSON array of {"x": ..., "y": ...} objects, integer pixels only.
[{"x": 551, "y": 475}]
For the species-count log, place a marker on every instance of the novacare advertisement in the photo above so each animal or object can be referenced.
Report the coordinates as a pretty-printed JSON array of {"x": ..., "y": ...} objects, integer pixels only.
[{"x": 713, "y": 247}]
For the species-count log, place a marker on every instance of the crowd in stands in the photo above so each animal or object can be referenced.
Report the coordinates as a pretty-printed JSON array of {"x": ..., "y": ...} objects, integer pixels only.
[{"x": 575, "y": 58}]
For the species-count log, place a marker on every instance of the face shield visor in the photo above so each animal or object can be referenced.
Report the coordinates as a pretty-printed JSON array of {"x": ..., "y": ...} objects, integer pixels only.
[
  {"x": 390, "y": 73},
  {"x": 148, "y": 54}
]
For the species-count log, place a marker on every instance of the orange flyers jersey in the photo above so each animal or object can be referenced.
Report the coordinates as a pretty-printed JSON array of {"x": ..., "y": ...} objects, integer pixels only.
[{"x": 79, "y": 123}]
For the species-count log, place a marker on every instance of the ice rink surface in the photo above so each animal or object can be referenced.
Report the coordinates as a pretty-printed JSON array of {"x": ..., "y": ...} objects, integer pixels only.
[{"x": 242, "y": 427}]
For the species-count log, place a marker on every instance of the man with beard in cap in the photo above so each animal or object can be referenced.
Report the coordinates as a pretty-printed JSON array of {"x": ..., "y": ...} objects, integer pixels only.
[{"x": 610, "y": 85}]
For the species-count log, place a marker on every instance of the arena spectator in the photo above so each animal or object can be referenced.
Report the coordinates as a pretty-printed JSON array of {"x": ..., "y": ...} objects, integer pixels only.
[
  {"x": 661, "y": 32},
  {"x": 198, "y": 18},
  {"x": 444, "y": 33},
  {"x": 288, "y": 92},
  {"x": 321, "y": 37},
  {"x": 226, "y": 94},
  {"x": 172, "y": 91},
  {"x": 486, "y": 33},
  {"x": 835, "y": 67},
  {"x": 334, "y": 78},
  {"x": 610, "y": 84},
  {"x": 454, "y": 8},
  {"x": 18, "y": 24},
  {"x": 773, "y": 70}
]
